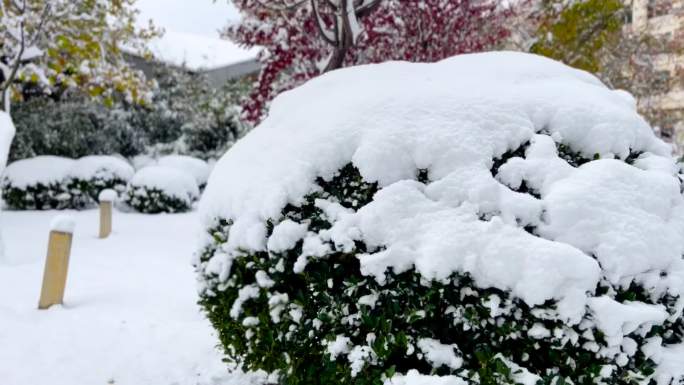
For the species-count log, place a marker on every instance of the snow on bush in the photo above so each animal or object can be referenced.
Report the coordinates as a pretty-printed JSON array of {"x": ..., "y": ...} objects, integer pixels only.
[
  {"x": 37, "y": 183},
  {"x": 91, "y": 174},
  {"x": 196, "y": 167},
  {"x": 491, "y": 218},
  {"x": 158, "y": 189}
]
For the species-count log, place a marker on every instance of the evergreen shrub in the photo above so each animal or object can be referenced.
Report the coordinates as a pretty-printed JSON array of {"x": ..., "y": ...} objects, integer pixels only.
[
  {"x": 91, "y": 174},
  {"x": 37, "y": 184},
  {"x": 157, "y": 189},
  {"x": 522, "y": 228},
  {"x": 331, "y": 324}
]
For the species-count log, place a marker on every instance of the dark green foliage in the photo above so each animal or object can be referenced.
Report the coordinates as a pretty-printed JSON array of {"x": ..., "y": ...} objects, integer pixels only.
[
  {"x": 223, "y": 127},
  {"x": 489, "y": 326},
  {"x": 84, "y": 193},
  {"x": 72, "y": 127},
  {"x": 517, "y": 153},
  {"x": 573, "y": 158},
  {"x": 187, "y": 115},
  {"x": 36, "y": 197}
]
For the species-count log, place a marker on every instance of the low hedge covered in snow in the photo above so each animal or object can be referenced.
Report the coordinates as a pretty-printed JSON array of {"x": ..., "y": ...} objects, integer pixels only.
[
  {"x": 37, "y": 183},
  {"x": 91, "y": 174},
  {"x": 158, "y": 189},
  {"x": 510, "y": 220},
  {"x": 51, "y": 182}
]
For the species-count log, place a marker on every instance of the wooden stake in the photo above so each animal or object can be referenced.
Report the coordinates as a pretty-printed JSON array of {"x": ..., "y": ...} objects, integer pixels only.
[
  {"x": 56, "y": 266},
  {"x": 105, "y": 219},
  {"x": 106, "y": 198}
]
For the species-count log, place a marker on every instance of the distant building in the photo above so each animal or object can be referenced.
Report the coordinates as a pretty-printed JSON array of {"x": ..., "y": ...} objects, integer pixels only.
[
  {"x": 666, "y": 18},
  {"x": 219, "y": 60}
]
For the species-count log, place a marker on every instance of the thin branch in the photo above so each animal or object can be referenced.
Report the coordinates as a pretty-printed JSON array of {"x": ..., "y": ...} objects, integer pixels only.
[
  {"x": 39, "y": 28},
  {"x": 329, "y": 36},
  {"x": 285, "y": 7},
  {"x": 367, "y": 7},
  {"x": 18, "y": 57}
]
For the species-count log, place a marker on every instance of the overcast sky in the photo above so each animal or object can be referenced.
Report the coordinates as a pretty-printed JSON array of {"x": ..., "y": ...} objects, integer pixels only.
[{"x": 202, "y": 17}]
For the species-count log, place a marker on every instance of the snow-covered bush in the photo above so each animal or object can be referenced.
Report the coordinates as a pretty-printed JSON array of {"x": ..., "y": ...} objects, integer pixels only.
[
  {"x": 91, "y": 174},
  {"x": 73, "y": 126},
  {"x": 198, "y": 168},
  {"x": 158, "y": 189},
  {"x": 494, "y": 218},
  {"x": 189, "y": 116},
  {"x": 37, "y": 183}
]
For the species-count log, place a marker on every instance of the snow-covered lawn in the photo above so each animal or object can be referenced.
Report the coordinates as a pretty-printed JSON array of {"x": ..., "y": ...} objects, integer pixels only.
[{"x": 130, "y": 314}]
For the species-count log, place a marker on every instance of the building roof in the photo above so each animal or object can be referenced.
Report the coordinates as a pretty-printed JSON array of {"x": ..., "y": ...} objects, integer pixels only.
[{"x": 199, "y": 53}]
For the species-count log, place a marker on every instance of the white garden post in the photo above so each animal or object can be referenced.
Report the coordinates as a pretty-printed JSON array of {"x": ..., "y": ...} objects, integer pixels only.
[
  {"x": 57, "y": 261},
  {"x": 106, "y": 198}
]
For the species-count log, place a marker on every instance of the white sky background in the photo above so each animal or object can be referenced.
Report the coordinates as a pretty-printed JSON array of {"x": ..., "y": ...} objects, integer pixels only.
[{"x": 202, "y": 17}]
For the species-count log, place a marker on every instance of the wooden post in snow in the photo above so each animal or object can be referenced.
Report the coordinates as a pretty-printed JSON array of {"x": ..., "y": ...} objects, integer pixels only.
[
  {"x": 106, "y": 198},
  {"x": 57, "y": 262}
]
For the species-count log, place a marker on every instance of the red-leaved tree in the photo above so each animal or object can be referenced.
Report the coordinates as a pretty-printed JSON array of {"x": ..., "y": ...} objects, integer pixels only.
[{"x": 304, "y": 38}]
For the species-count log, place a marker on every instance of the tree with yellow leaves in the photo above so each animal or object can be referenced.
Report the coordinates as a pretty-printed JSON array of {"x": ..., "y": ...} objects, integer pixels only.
[
  {"x": 597, "y": 36},
  {"x": 71, "y": 43}
]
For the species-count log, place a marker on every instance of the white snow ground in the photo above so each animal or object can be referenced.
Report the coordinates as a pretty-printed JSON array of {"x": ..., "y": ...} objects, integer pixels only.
[{"x": 129, "y": 317}]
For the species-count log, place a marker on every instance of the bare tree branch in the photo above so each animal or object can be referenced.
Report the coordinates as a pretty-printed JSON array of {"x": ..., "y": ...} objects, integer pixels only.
[
  {"x": 329, "y": 36},
  {"x": 24, "y": 42}
]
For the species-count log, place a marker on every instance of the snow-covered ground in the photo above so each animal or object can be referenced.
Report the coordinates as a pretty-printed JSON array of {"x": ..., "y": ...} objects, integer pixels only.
[{"x": 129, "y": 316}]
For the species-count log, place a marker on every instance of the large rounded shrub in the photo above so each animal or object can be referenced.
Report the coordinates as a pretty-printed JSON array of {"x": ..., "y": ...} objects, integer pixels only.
[
  {"x": 157, "y": 189},
  {"x": 37, "y": 183},
  {"x": 495, "y": 218},
  {"x": 91, "y": 174}
]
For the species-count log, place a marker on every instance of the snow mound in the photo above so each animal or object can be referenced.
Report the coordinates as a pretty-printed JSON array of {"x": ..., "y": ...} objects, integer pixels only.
[
  {"x": 101, "y": 167},
  {"x": 539, "y": 181},
  {"x": 198, "y": 168},
  {"x": 365, "y": 115},
  {"x": 45, "y": 170}
]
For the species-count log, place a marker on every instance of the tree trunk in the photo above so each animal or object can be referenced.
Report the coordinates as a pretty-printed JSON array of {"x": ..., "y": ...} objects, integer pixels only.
[{"x": 5, "y": 100}]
